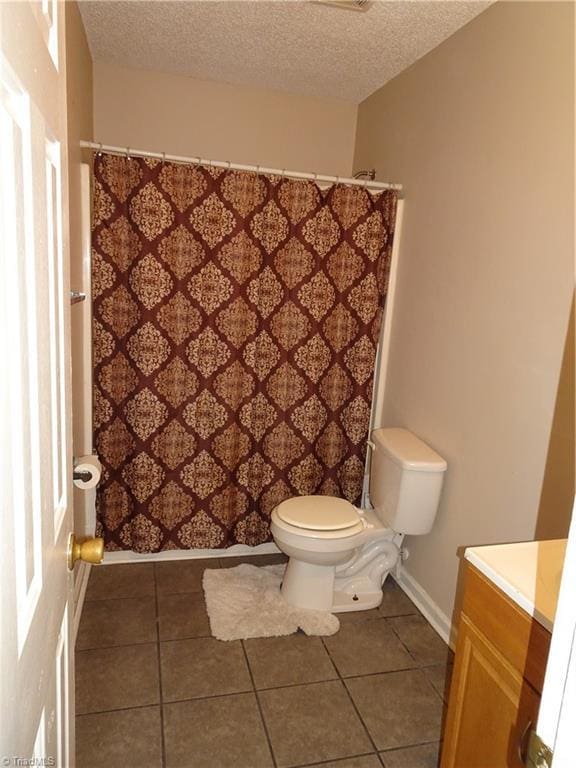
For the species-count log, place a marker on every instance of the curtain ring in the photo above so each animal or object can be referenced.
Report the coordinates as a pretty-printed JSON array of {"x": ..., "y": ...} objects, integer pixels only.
[
  {"x": 163, "y": 157},
  {"x": 229, "y": 165},
  {"x": 283, "y": 174},
  {"x": 99, "y": 152},
  {"x": 128, "y": 153},
  {"x": 257, "y": 170}
]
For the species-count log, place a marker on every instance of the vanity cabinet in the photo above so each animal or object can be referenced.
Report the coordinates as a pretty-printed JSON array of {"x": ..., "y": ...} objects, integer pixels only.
[{"x": 499, "y": 669}]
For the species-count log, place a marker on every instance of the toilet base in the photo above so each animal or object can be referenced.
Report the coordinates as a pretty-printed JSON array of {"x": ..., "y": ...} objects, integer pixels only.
[
  {"x": 355, "y": 585},
  {"x": 356, "y": 601},
  {"x": 308, "y": 585}
]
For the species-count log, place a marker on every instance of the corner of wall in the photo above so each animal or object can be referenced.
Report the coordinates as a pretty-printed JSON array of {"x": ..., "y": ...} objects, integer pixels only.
[
  {"x": 480, "y": 320},
  {"x": 79, "y": 92}
]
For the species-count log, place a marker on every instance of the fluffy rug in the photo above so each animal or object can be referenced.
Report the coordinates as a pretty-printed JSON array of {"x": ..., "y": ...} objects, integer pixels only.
[{"x": 245, "y": 601}]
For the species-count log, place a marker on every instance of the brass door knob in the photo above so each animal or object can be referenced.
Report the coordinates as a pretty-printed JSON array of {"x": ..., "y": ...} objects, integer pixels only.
[{"x": 91, "y": 550}]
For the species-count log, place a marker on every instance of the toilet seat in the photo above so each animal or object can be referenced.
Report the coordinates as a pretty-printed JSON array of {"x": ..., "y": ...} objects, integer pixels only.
[
  {"x": 309, "y": 513},
  {"x": 318, "y": 513}
]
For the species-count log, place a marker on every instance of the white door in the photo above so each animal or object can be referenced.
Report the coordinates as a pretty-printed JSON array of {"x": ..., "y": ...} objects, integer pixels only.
[
  {"x": 557, "y": 716},
  {"x": 35, "y": 435}
]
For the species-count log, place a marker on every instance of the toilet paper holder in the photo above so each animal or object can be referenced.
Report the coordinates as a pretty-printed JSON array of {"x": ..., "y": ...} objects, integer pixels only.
[
  {"x": 86, "y": 472},
  {"x": 81, "y": 474}
]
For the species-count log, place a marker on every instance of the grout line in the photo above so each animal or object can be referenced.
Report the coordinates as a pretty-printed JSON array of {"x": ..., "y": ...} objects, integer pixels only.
[
  {"x": 336, "y": 760},
  {"x": 299, "y": 685},
  {"x": 396, "y": 615},
  {"x": 371, "y": 740},
  {"x": 163, "y": 740},
  {"x": 419, "y": 665},
  {"x": 381, "y": 755},
  {"x": 440, "y": 696},
  {"x": 403, "y": 644},
  {"x": 211, "y": 696},
  {"x": 147, "y": 642},
  {"x": 169, "y": 703},
  {"x": 410, "y": 746},
  {"x": 149, "y": 595},
  {"x": 119, "y": 709},
  {"x": 337, "y": 676},
  {"x": 256, "y": 691},
  {"x": 187, "y": 637},
  {"x": 116, "y": 645},
  {"x": 259, "y": 703},
  {"x": 112, "y": 647}
]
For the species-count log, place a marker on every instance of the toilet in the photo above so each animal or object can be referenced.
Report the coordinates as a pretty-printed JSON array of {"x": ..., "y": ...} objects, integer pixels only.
[{"x": 339, "y": 555}]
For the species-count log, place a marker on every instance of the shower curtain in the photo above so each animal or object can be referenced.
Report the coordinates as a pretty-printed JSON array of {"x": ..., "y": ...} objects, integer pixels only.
[{"x": 235, "y": 323}]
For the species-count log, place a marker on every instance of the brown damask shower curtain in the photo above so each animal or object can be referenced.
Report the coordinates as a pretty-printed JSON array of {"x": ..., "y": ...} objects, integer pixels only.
[{"x": 235, "y": 325}]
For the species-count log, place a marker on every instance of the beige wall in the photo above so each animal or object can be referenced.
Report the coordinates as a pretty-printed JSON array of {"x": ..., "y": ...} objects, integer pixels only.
[
  {"x": 558, "y": 485},
  {"x": 183, "y": 116},
  {"x": 79, "y": 95},
  {"x": 481, "y": 132}
]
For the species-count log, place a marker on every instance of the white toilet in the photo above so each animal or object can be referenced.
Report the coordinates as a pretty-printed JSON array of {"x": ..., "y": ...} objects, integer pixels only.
[{"x": 341, "y": 555}]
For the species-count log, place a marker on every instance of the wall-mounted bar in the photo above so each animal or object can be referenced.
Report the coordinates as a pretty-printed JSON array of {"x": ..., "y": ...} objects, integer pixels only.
[
  {"x": 316, "y": 177},
  {"x": 76, "y": 297}
]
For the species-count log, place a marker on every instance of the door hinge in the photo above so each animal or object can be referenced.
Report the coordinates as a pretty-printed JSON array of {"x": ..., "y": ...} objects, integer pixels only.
[{"x": 539, "y": 754}]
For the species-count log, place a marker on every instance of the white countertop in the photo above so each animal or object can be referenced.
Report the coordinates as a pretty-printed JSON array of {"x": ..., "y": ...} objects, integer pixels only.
[{"x": 529, "y": 573}]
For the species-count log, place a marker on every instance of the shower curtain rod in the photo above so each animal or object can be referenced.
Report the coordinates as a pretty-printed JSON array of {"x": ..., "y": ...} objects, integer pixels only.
[{"x": 317, "y": 177}]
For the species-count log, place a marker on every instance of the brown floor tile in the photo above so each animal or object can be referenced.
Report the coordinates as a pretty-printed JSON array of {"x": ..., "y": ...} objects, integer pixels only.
[
  {"x": 277, "y": 661},
  {"x": 362, "y": 761},
  {"x": 440, "y": 676},
  {"x": 202, "y": 667},
  {"x": 116, "y": 678},
  {"x": 395, "y": 602},
  {"x": 355, "y": 617},
  {"x": 312, "y": 723},
  {"x": 127, "y": 580},
  {"x": 179, "y": 576},
  {"x": 399, "y": 708},
  {"x": 117, "y": 622},
  {"x": 182, "y": 616},
  {"x": 367, "y": 647},
  {"x": 258, "y": 560},
  {"x": 130, "y": 738},
  {"x": 423, "y": 756},
  {"x": 225, "y": 732},
  {"x": 423, "y": 642}
]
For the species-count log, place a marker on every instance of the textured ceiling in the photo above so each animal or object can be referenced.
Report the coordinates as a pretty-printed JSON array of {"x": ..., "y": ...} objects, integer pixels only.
[{"x": 291, "y": 45}]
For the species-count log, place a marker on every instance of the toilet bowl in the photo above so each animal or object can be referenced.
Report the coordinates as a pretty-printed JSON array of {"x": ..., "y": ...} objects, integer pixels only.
[{"x": 339, "y": 555}]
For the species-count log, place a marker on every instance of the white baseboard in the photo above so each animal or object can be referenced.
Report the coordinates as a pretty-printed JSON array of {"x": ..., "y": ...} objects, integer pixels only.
[
  {"x": 426, "y": 606},
  {"x": 80, "y": 585},
  {"x": 238, "y": 550}
]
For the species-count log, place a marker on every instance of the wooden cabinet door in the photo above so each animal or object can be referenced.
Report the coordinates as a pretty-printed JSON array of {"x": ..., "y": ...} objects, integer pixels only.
[{"x": 490, "y": 707}]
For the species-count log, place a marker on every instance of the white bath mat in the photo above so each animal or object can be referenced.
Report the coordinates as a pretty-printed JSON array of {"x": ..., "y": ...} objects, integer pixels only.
[{"x": 245, "y": 601}]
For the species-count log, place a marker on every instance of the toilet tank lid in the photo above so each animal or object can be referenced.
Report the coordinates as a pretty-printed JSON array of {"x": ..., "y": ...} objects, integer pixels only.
[
  {"x": 318, "y": 513},
  {"x": 407, "y": 450}
]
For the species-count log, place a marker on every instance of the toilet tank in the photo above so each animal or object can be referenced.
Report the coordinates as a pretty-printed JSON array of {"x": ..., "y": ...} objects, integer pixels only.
[{"x": 406, "y": 478}]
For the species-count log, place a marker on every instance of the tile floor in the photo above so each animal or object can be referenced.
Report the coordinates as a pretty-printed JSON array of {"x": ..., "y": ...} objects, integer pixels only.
[{"x": 155, "y": 690}]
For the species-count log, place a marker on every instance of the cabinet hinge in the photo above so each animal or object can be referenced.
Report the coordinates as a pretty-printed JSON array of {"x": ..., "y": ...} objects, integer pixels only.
[{"x": 539, "y": 754}]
